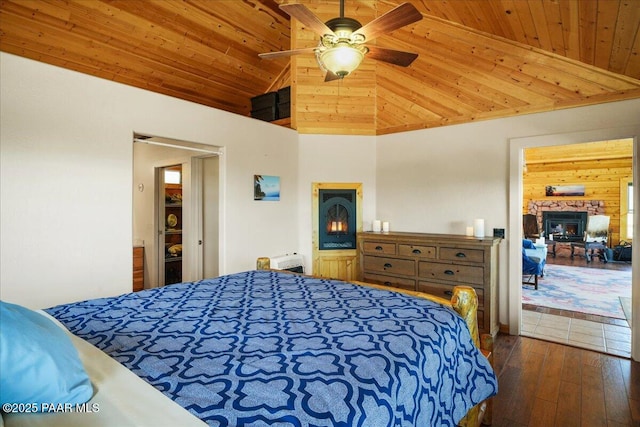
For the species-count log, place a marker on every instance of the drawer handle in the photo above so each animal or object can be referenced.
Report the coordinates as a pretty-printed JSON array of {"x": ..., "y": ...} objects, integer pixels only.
[
  {"x": 417, "y": 251},
  {"x": 378, "y": 248},
  {"x": 387, "y": 283},
  {"x": 387, "y": 265},
  {"x": 449, "y": 272},
  {"x": 448, "y": 293},
  {"x": 461, "y": 255}
]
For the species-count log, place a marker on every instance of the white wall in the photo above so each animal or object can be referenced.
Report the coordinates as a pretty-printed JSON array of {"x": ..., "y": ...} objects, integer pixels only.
[
  {"x": 66, "y": 180},
  {"x": 340, "y": 159},
  {"x": 450, "y": 175}
]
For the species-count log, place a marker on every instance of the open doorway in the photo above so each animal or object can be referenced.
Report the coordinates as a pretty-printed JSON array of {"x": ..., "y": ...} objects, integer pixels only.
[
  {"x": 169, "y": 207},
  {"x": 177, "y": 220},
  {"x": 517, "y": 165},
  {"x": 581, "y": 297}
]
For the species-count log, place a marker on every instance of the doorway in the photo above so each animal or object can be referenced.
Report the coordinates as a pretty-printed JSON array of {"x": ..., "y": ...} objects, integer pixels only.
[
  {"x": 177, "y": 223},
  {"x": 580, "y": 299},
  {"x": 169, "y": 201},
  {"x": 517, "y": 147}
]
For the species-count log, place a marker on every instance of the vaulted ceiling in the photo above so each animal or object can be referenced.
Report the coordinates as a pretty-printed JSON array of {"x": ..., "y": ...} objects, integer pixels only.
[{"x": 478, "y": 59}]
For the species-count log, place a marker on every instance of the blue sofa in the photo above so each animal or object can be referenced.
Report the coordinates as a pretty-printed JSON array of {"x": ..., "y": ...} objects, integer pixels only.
[{"x": 534, "y": 260}]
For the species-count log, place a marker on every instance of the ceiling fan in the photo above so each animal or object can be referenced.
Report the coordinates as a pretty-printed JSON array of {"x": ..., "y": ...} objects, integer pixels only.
[{"x": 342, "y": 40}]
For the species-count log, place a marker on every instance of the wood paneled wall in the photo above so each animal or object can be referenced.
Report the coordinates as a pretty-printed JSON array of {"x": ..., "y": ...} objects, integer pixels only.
[{"x": 599, "y": 166}]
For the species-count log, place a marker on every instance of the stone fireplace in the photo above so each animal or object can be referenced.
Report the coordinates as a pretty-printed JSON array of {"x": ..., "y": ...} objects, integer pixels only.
[{"x": 565, "y": 219}]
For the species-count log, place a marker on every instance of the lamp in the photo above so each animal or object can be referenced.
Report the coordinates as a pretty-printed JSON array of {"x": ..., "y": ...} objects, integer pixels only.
[
  {"x": 341, "y": 59},
  {"x": 342, "y": 52}
]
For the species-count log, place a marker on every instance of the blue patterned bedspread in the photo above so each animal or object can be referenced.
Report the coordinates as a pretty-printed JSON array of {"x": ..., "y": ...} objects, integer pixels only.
[{"x": 265, "y": 348}]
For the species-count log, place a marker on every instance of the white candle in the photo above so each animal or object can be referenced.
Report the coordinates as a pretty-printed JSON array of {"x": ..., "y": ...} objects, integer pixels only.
[
  {"x": 385, "y": 226},
  {"x": 478, "y": 227},
  {"x": 469, "y": 231},
  {"x": 377, "y": 225}
]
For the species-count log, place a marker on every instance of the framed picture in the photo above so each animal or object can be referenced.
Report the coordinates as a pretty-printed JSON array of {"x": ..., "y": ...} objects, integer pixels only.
[
  {"x": 564, "y": 190},
  {"x": 266, "y": 188}
]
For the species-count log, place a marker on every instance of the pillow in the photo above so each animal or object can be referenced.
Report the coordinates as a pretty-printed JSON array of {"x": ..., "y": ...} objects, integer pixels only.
[{"x": 38, "y": 362}]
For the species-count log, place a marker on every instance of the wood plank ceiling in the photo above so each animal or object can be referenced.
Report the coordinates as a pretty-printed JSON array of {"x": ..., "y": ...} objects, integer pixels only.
[{"x": 478, "y": 59}]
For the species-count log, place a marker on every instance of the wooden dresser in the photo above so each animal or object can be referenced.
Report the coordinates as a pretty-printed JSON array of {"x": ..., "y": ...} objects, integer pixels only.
[
  {"x": 138, "y": 268},
  {"x": 434, "y": 263}
]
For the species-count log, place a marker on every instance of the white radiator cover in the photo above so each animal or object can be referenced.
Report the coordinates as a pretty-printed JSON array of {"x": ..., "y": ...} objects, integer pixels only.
[{"x": 286, "y": 262}]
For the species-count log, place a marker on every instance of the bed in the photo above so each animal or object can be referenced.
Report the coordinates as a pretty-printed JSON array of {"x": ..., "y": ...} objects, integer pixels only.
[{"x": 265, "y": 348}]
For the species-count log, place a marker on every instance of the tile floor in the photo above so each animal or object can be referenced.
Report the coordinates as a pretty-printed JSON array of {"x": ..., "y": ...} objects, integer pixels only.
[{"x": 605, "y": 338}]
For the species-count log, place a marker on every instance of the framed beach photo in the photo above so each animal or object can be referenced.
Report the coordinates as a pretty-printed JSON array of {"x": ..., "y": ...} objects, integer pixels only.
[{"x": 266, "y": 188}]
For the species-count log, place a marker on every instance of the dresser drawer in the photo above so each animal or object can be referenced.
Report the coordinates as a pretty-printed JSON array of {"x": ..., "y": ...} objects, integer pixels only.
[
  {"x": 379, "y": 248},
  {"x": 457, "y": 254},
  {"x": 465, "y": 274},
  {"x": 396, "y": 282},
  {"x": 417, "y": 251},
  {"x": 445, "y": 291},
  {"x": 404, "y": 267}
]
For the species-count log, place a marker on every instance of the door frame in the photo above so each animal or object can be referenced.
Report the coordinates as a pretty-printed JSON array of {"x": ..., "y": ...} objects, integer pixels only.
[
  {"x": 148, "y": 229},
  {"x": 516, "y": 166}
]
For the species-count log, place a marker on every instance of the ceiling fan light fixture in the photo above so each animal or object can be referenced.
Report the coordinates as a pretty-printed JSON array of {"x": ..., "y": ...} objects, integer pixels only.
[
  {"x": 341, "y": 48},
  {"x": 341, "y": 59}
]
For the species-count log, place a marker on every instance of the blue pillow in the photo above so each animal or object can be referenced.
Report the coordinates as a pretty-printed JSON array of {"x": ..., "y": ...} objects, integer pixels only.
[{"x": 38, "y": 362}]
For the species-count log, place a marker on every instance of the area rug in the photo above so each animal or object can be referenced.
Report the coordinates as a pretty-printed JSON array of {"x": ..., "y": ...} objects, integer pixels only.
[
  {"x": 626, "y": 307},
  {"x": 586, "y": 290}
]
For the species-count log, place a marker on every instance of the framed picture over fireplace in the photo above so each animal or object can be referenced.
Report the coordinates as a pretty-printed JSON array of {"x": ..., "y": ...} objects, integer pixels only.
[{"x": 564, "y": 190}]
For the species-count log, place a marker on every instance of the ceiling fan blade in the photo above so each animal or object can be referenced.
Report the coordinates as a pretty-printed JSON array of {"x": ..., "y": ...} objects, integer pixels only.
[
  {"x": 402, "y": 15},
  {"x": 396, "y": 57},
  {"x": 306, "y": 17},
  {"x": 281, "y": 53},
  {"x": 331, "y": 76}
]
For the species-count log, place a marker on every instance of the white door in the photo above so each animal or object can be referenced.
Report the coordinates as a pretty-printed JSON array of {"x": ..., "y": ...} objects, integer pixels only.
[{"x": 206, "y": 207}]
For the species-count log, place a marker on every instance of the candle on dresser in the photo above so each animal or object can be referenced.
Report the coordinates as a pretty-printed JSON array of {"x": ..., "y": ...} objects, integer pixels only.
[
  {"x": 385, "y": 226},
  {"x": 478, "y": 227},
  {"x": 469, "y": 231},
  {"x": 377, "y": 225}
]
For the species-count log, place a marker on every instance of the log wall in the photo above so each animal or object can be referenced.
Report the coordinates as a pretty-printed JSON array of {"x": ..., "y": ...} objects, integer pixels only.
[{"x": 599, "y": 166}]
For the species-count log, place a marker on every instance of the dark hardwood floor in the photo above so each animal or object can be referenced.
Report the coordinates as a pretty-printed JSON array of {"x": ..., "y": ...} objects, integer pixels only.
[
  {"x": 543, "y": 384},
  {"x": 547, "y": 384}
]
